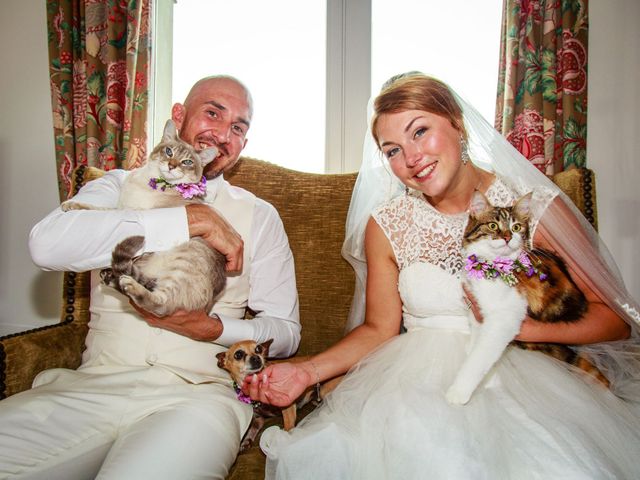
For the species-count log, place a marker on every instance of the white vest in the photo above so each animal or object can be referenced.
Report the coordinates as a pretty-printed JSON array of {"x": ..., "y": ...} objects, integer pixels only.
[{"x": 119, "y": 340}]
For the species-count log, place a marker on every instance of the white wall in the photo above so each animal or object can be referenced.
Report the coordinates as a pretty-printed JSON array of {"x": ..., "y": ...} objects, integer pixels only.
[
  {"x": 30, "y": 298},
  {"x": 613, "y": 129}
]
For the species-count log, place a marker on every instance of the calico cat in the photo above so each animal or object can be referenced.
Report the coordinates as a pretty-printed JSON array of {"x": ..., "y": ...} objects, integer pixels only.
[
  {"x": 508, "y": 282},
  {"x": 187, "y": 277}
]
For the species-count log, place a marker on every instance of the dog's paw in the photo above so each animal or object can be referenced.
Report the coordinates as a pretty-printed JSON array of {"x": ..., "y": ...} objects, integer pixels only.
[
  {"x": 457, "y": 396},
  {"x": 246, "y": 444}
]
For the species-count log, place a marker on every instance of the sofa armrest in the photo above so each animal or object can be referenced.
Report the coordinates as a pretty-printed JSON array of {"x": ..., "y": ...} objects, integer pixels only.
[
  {"x": 23, "y": 355},
  {"x": 580, "y": 186}
]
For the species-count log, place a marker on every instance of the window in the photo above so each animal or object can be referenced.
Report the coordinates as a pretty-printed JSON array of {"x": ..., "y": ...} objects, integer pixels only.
[
  {"x": 311, "y": 66},
  {"x": 457, "y": 41}
]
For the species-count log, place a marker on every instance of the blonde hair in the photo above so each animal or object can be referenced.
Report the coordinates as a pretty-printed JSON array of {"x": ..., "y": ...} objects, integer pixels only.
[{"x": 416, "y": 91}]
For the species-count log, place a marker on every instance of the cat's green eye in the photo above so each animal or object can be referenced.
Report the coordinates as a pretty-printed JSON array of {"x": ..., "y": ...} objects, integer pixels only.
[
  {"x": 516, "y": 227},
  {"x": 187, "y": 162},
  {"x": 168, "y": 152},
  {"x": 493, "y": 226}
]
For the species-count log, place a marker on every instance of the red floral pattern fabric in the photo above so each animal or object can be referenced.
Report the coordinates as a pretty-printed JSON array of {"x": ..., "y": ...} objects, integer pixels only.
[
  {"x": 99, "y": 60},
  {"x": 542, "y": 92}
]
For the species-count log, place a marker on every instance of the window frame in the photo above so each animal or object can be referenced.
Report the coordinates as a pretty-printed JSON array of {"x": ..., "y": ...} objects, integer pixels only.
[
  {"x": 348, "y": 82},
  {"x": 348, "y": 79}
]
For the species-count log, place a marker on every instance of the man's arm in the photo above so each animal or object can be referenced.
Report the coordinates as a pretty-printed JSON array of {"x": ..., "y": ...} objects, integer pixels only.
[
  {"x": 81, "y": 240},
  {"x": 273, "y": 294}
]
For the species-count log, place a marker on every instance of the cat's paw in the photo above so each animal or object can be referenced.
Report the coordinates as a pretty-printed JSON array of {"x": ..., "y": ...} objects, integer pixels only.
[
  {"x": 68, "y": 205},
  {"x": 128, "y": 285},
  {"x": 457, "y": 396}
]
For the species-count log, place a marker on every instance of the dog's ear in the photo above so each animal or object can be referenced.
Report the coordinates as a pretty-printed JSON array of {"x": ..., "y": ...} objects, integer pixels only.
[
  {"x": 265, "y": 347},
  {"x": 221, "y": 358}
]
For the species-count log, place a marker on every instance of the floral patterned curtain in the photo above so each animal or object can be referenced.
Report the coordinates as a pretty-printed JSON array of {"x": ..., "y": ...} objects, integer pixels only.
[
  {"x": 99, "y": 54},
  {"x": 542, "y": 86}
]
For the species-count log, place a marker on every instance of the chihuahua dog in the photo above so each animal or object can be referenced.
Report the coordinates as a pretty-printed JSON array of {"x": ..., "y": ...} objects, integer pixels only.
[{"x": 249, "y": 357}]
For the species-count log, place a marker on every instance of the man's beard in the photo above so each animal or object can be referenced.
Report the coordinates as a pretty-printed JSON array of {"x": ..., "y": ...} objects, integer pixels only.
[{"x": 213, "y": 172}]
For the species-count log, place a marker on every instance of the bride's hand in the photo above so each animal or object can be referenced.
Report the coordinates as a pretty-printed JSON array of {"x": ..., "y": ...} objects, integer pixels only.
[{"x": 279, "y": 384}]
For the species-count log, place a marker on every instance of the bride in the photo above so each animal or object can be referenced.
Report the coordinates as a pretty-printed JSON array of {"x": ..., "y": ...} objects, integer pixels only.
[{"x": 533, "y": 416}]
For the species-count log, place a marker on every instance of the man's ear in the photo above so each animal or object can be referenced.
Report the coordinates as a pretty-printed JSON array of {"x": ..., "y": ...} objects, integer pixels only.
[{"x": 177, "y": 115}]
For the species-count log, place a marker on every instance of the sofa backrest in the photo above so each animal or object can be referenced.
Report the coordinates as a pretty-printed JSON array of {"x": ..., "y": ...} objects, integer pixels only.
[{"x": 313, "y": 208}]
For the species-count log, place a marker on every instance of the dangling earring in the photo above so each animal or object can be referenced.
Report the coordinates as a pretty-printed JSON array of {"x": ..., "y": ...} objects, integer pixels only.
[
  {"x": 464, "y": 151},
  {"x": 406, "y": 191}
]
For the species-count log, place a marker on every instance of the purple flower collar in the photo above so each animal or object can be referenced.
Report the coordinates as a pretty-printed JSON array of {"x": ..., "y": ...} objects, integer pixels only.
[
  {"x": 504, "y": 268},
  {"x": 187, "y": 190},
  {"x": 244, "y": 398}
]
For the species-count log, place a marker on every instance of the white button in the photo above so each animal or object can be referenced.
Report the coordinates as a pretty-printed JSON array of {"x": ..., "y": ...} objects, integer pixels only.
[{"x": 152, "y": 358}]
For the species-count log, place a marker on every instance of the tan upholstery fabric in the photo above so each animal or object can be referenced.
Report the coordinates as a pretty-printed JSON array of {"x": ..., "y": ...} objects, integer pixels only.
[{"x": 313, "y": 208}]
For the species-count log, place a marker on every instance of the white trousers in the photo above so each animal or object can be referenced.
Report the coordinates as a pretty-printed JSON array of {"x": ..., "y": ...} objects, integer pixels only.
[{"x": 136, "y": 424}]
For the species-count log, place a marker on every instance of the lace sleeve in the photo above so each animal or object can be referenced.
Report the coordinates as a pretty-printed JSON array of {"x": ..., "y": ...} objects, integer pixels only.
[{"x": 395, "y": 220}]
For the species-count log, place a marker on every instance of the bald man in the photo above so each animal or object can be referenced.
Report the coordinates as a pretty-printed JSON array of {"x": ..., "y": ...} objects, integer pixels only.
[{"x": 148, "y": 400}]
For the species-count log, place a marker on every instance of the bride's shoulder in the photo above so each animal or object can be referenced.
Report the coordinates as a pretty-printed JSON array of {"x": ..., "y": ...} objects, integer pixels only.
[
  {"x": 504, "y": 191},
  {"x": 501, "y": 192},
  {"x": 395, "y": 206}
]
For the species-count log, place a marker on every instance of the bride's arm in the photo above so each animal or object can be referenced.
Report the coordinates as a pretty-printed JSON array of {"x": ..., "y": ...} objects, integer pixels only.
[
  {"x": 600, "y": 323},
  {"x": 281, "y": 383}
]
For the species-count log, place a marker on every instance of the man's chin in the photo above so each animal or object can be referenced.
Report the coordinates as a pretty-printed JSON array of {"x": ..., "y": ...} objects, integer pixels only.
[
  {"x": 211, "y": 173},
  {"x": 218, "y": 167},
  {"x": 215, "y": 175}
]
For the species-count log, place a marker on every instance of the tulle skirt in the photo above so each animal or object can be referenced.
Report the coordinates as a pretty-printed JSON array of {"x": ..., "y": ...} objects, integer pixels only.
[{"x": 532, "y": 418}]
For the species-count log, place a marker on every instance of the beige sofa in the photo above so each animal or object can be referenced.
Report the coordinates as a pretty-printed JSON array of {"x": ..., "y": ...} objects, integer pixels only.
[{"x": 313, "y": 208}]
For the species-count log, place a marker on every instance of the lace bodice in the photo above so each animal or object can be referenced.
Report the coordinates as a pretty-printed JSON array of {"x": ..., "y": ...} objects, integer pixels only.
[
  {"x": 420, "y": 233},
  {"x": 427, "y": 245}
]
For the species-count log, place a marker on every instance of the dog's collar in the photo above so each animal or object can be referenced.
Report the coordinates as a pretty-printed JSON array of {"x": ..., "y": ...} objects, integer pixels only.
[{"x": 244, "y": 398}]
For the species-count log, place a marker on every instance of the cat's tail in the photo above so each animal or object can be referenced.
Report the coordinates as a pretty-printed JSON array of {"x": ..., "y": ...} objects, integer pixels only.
[{"x": 124, "y": 253}]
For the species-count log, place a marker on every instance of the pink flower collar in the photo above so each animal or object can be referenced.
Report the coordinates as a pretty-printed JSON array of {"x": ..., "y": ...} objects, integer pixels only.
[
  {"x": 244, "y": 398},
  {"x": 187, "y": 190},
  {"x": 503, "y": 268}
]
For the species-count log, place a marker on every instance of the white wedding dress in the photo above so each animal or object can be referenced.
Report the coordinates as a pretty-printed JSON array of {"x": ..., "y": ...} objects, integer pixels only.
[{"x": 532, "y": 417}]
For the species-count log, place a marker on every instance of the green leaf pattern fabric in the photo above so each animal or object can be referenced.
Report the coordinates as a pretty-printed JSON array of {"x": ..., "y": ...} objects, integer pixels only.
[
  {"x": 542, "y": 87},
  {"x": 99, "y": 64}
]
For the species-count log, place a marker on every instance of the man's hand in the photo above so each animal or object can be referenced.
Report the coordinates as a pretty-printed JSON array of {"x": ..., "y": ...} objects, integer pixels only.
[
  {"x": 195, "y": 325},
  {"x": 205, "y": 222}
]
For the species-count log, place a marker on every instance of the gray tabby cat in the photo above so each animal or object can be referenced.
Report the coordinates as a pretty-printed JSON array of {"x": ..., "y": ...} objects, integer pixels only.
[
  {"x": 189, "y": 276},
  {"x": 508, "y": 282}
]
